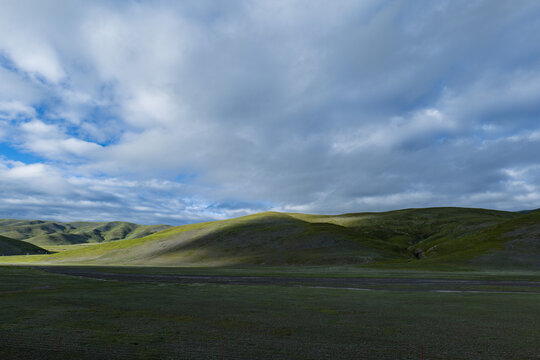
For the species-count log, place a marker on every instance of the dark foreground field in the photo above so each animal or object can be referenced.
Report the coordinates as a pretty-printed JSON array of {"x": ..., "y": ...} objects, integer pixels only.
[{"x": 55, "y": 316}]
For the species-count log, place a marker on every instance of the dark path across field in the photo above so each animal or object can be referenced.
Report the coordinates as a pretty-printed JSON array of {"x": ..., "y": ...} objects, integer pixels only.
[{"x": 400, "y": 284}]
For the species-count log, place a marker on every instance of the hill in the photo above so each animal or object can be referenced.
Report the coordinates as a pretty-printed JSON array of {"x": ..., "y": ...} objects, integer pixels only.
[
  {"x": 15, "y": 247},
  {"x": 46, "y": 233},
  {"x": 411, "y": 236},
  {"x": 512, "y": 243}
]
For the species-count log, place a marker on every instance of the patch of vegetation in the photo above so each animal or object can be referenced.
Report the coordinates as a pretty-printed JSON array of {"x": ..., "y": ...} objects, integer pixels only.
[
  {"x": 9, "y": 247},
  {"x": 511, "y": 243},
  {"x": 56, "y": 317},
  {"x": 435, "y": 238}
]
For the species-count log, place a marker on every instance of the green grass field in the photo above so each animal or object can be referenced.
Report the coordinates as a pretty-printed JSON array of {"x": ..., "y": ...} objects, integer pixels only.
[
  {"x": 476, "y": 315},
  {"x": 56, "y": 317}
]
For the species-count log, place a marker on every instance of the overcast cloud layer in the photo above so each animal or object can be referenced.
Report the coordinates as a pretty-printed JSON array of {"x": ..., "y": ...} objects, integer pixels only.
[{"x": 183, "y": 111}]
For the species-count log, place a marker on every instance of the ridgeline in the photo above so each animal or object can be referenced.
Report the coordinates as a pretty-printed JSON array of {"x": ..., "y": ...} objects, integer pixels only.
[{"x": 412, "y": 237}]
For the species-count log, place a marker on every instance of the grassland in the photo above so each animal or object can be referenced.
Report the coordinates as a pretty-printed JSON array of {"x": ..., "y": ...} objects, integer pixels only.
[
  {"x": 56, "y": 317},
  {"x": 437, "y": 238},
  {"x": 479, "y": 297}
]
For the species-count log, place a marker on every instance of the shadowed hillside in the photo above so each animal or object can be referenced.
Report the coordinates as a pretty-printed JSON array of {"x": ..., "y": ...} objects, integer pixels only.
[
  {"x": 416, "y": 231},
  {"x": 512, "y": 243},
  {"x": 15, "y": 247},
  {"x": 411, "y": 236},
  {"x": 44, "y": 233},
  {"x": 267, "y": 238},
  {"x": 454, "y": 236}
]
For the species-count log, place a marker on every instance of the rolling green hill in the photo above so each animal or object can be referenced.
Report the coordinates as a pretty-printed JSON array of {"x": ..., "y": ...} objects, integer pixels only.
[
  {"x": 452, "y": 236},
  {"x": 46, "y": 233},
  {"x": 16, "y": 247},
  {"x": 267, "y": 238},
  {"x": 412, "y": 236},
  {"x": 511, "y": 243}
]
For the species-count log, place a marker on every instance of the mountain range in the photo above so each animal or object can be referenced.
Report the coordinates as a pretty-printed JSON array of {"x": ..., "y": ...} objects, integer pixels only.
[
  {"x": 430, "y": 236},
  {"x": 43, "y": 233}
]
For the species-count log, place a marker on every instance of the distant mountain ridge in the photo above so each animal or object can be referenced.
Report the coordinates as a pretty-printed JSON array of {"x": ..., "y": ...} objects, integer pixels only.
[
  {"x": 527, "y": 211},
  {"x": 43, "y": 233}
]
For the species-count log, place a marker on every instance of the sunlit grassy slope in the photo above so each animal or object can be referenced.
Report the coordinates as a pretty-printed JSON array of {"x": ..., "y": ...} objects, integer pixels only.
[
  {"x": 413, "y": 236},
  {"x": 46, "y": 233},
  {"x": 10, "y": 247}
]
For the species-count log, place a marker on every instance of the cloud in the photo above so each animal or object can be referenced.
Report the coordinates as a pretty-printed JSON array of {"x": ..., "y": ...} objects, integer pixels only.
[
  {"x": 10, "y": 110},
  {"x": 30, "y": 179},
  {"x": 293, "y": 105},
  {"x": 39, "y": 62},
  {"x": 48, "y": 192},
  {"x": 424, "y": 123},
  {"x": 51, "y": 142},
  {"x": 27, "y": 51}
]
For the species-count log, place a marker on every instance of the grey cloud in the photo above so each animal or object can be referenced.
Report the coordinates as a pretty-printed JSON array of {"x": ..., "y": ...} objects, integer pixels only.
[
  {"x": 314, "y": 106},
  {"x": 45, "y": 192}
]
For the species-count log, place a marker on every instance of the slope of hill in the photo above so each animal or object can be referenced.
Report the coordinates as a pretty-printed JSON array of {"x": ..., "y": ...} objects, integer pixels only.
[
  {"x": 414, "y": 231},
  {"x": 45, "y": 233},
  {"x": 16, "y": 247},
  {"x": 418, "y": 236},
  {"x": 267, "y": 238},
  {"x": 512, "y": 243}
]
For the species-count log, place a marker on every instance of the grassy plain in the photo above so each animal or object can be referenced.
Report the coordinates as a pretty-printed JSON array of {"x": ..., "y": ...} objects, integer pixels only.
[{"x": 55, "y": 317}]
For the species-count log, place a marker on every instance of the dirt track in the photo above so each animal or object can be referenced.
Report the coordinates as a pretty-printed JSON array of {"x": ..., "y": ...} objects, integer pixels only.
[{"x": 409, "y": 284}]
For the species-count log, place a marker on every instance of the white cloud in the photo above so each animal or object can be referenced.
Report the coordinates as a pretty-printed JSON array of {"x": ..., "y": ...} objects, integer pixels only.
[
  {"x": 318, "y": 107},
  {"x": 48, "y": 192},
  {"x": 152, "y": 108},
  {"x": 10, "y": 110},
  {"x": 18, "y": 178},
  {"x": 38, "y": 60},
  {"x": 31, "y": 55},
  {"x": 24, "y": 40},
  {"x": 420, "y": 124},
  {"x": 51, "y": 142}
]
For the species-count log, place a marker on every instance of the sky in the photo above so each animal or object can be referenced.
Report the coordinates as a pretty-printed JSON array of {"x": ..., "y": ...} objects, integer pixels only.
[{"x": 183, "y": 111}]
